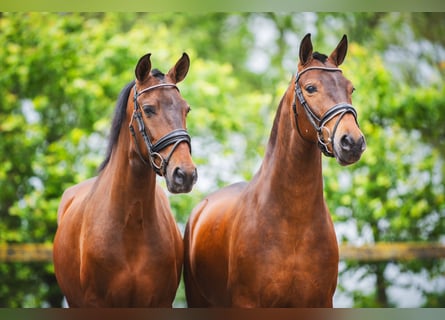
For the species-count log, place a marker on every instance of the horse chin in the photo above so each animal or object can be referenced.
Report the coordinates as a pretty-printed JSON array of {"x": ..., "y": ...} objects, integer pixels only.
[
  {"x": 343, "y": 162},
  {"x": 179, "y": 188},
  {"x": 347, "y": 158}
]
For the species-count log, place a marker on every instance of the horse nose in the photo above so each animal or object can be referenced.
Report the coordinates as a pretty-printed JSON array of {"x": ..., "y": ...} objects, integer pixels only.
[
  {"x": 348, "y": 143},
  {"x": 181, "y": 177}
]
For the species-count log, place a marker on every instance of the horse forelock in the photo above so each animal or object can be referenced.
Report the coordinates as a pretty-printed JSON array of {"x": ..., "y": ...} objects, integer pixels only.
[
  {"x": 320, "y": 57},
  {"x": 118, "y": 118},
  {"x": 157, "y": 74}
]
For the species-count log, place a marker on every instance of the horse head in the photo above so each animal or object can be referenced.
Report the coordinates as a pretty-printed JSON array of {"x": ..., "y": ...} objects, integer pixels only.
[
  {"x": 325, "y": 96},
  {"x": 160, "y": 112}
]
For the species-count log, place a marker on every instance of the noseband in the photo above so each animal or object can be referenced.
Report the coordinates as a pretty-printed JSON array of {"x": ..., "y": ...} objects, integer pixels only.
[
  {"x": 319, "y": 124},
  {"x": 175, "y": 137}
]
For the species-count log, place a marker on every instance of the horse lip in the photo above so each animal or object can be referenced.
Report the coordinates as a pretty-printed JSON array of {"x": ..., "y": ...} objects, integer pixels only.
[
  {"x": 344, "y": 162},
  {"x": 179, "y": 188},
  {"x": 351, "y": 158}
]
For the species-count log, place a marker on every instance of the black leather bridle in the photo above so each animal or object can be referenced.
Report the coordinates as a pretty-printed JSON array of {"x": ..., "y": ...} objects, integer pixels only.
[
  {"x": 319, "y": 124},
  {"x": 175, "y": 137}
]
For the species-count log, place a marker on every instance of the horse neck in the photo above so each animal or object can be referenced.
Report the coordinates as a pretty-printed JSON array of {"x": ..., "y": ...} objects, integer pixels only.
[
  {"x": 130, "y": 181},
  {"x": 291, "y": 170}
]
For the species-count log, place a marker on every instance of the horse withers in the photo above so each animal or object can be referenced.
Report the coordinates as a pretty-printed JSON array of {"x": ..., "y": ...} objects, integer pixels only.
[
  {"x": 117, "y": 243},
  {"x": 271, "y": 242}
]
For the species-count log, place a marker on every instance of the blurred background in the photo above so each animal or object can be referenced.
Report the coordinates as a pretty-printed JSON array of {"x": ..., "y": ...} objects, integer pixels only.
[{"x": 60, "y": 76}]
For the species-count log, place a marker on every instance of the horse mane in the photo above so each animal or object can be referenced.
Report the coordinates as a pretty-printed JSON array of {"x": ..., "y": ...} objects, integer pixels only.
[
  {"x": 273, "y": 134},
  {"x": 119, "y": 116},
  {"x": 274, "y": 131}
]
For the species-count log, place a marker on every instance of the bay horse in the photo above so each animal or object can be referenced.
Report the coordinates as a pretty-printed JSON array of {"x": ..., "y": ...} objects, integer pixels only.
[
  {"x": 271, "y": 242},
  {"x": 117, "y": 243}
]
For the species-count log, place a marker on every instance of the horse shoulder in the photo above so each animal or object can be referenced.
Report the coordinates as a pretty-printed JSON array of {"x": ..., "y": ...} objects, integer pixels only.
[
  {"x": 212, "y": 213},
  {"x": 72, "y": 193},
  {"x": 206, "y": 242}
]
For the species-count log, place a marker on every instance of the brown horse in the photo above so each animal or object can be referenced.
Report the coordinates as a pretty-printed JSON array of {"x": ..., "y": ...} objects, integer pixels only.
[
  {"x": 117, "y": 243},
  {"x": 271, "y": 242}
]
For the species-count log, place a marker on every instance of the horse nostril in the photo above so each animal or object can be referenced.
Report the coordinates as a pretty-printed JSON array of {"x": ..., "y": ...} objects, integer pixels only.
[
  {"x": 194, "y": 176},
  {"x": 346, "y": 142},
  {"x": 362, "y": 144},
  {"x": 179, "y": 176}
]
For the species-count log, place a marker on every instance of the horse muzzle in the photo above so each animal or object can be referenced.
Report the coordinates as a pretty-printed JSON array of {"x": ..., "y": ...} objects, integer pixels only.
[
  {"x": 348, "y": 149},
  {"x": 181, "y": 179}
]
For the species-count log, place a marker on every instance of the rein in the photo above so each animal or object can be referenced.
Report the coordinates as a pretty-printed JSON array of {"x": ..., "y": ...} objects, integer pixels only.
[
  {"x": 319, "y": 124},
  {"x": 175, "y": 137}
]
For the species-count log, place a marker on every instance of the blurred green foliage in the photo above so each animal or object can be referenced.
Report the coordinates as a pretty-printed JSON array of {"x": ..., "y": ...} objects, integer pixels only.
[{"x": 61, "y": 75}]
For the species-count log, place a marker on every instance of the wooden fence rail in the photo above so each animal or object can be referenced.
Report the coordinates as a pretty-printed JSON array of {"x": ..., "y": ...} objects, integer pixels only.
[
  {"x": 26, "y": 252},
  {"x": 42, "y": 252},
  {"x": 388, "y": 251}
]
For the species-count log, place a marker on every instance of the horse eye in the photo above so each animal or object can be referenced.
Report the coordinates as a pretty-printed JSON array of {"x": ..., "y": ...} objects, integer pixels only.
[
  {"x": 188, "y": 110},
  {"x": 149, "y": 110},
  {"x": 353, "y": 89},
  {"x": 311, "y": 89}
]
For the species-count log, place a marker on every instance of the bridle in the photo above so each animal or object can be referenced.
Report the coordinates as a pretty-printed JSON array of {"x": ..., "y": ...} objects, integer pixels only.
[
  {"x": 319, "y": 124},
  {"x": 175, "y": 137}
]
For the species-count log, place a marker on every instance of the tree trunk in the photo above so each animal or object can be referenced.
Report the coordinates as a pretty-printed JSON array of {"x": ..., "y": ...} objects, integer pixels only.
[{"x": 381, "y": 285}]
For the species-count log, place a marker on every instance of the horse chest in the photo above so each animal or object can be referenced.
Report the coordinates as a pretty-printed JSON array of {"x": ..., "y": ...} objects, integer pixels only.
[
  {"x": 290, "y": 281},
  {"x": 129, "y": 274},
  {"x": 136, "y": 243},
  {"x": 285, "y": 269},
  {"x": 133, "y": 256}
]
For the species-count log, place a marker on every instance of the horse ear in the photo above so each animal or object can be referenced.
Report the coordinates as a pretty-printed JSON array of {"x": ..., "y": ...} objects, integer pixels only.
[
  {"x": 339, "y": 54},
  {"x": 306, "y": 49},
  {"x": 179, "y": 71},
  {"x": 143, "y": 68}
]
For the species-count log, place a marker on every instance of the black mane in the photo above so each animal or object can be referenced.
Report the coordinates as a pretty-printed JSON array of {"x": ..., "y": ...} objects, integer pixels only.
[
  {"x": 119, "y": 116},
  {"x": 320, "y": 56}
]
